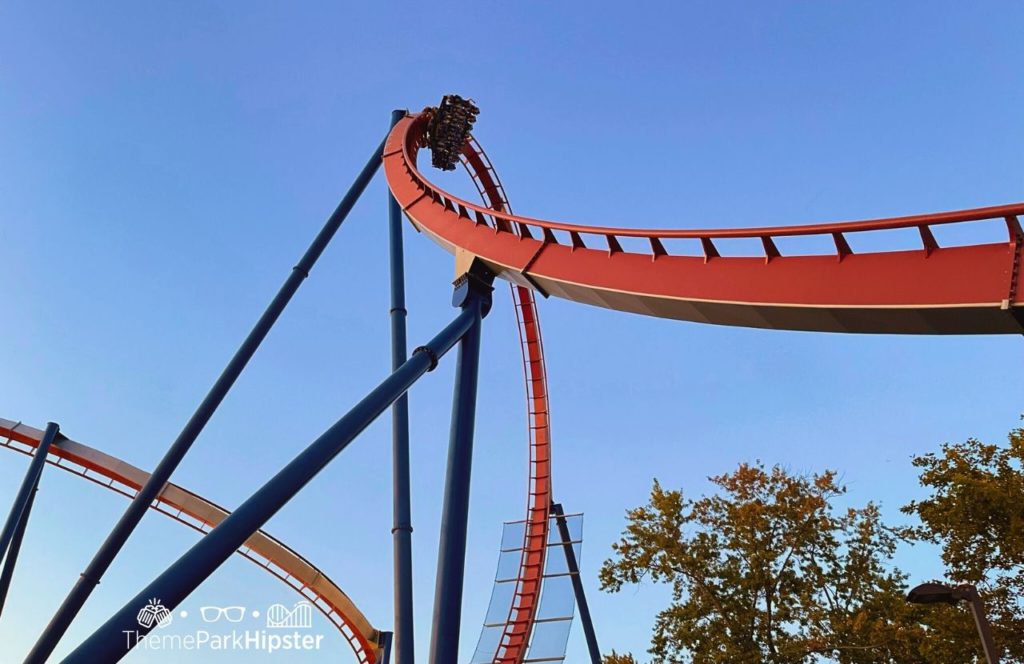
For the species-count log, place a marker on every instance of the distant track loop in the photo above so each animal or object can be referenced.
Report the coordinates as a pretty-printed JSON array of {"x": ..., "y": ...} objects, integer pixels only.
[{"x": 196, "y": 512}]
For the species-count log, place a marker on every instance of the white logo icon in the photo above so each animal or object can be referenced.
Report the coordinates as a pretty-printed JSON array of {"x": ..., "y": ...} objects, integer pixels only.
[
  {"x": 300, "y": 616},
  {"x": 154, "y": 614},
  {"x": 231, "y": 614}
]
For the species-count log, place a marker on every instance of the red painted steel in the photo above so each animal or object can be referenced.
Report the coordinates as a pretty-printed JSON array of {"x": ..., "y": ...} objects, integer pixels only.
[
  {"x": 196, "y": 512},
  {"x": 932, "y": 290},
  {"x": 514, "y": 641}
]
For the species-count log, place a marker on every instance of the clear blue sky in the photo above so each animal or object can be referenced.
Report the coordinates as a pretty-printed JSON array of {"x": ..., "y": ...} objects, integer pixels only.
[{"x": 163, "y": 165}]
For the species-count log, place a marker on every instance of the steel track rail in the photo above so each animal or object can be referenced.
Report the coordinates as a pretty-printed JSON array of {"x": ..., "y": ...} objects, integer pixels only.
[
  {"x": 514, "y": 642},
  {"x": 973, "y": 289},
  {"x": 196, "y": 512}
]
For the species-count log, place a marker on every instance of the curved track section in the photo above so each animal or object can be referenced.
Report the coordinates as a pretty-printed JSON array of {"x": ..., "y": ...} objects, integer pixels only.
[
  {"x": 514, "y": 642},
  {"x": 202, "y": 515},
  {"x": 973, "y": 289}
]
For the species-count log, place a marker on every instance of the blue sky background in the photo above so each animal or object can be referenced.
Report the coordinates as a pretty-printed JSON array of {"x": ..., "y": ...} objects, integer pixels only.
[{"x": 163, "y": 165}]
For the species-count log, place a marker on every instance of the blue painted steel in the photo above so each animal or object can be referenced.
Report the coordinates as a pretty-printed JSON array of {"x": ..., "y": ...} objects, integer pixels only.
[
  {"x": 28, "y": 486},
  {"x": 109, "y": 643},
  {"x": 12, "y": 554},
  {"x": 451, "y": 555},
  {"x": 402, "y": 521},
  {"x": 176, "y": 452},
  {"x": 577, "y": 584},
  {"x": 386, "y": 639}
]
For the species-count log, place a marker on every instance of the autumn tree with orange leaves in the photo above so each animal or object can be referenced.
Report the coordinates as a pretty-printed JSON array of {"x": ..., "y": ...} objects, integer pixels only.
[{"x": 769, "y": 571}]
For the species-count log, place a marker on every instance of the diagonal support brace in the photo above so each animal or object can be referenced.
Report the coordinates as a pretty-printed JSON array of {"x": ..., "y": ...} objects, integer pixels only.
[{"x": 108, "y": 644}]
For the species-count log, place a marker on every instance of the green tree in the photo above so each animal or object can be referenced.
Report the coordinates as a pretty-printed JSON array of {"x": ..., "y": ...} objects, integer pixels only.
[
  {"x": 769, "y": 571},
  {"x": 975, "y": 513}
]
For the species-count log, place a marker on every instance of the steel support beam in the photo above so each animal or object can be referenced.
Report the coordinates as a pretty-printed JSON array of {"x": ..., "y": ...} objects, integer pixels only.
[
  {"x": 7, "y": 574},
  {"x": 577, "y": 583},
  {"x": 109, "y": 642},
  {"x": 176, "y": 452},
  {"x": 401, "y": 530},
  {"x": 386, "y": 638},
  {"x": 28, "y": 487},
  {"x": 472, "y": 293}
]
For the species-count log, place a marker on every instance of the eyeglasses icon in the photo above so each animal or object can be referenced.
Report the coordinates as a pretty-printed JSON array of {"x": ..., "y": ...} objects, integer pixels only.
[{"x": 214, "y": 613}]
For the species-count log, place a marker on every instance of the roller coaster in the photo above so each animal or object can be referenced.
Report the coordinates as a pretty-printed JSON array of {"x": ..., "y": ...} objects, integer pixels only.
[{"x": 689, "y": 275}]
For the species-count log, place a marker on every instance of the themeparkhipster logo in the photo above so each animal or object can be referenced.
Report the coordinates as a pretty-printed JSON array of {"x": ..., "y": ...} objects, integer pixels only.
[{"x": 226, "y": 628}]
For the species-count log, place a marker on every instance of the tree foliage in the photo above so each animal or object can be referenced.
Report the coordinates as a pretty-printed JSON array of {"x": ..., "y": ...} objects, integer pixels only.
[
  {"x": 975, "y": 513},
  {"x": 768, "y": 570}
]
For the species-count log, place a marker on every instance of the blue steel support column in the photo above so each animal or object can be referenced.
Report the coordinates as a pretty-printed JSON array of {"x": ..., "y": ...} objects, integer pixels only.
[
  {"x": 577, "y": 584},
  {"x": 401, "y": 530},
  {"x": 385, "y": 647},
  {"x": 472, "y": 294},
  {"x": 28, "y": 486},
  {"x": 12, "y": 554},
  {"x": 118, "y": 635},
  {"x": 176, "y": 452}
]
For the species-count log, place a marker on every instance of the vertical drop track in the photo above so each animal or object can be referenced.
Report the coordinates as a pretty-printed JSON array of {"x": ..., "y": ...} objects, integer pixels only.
[{"x": 514, "y": 642}]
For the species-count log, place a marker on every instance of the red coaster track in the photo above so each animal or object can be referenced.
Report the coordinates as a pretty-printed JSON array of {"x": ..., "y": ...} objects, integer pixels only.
[
  {"x": 196, "y": 512},
  {"x": 932, "y": 290},
  {"x": 514, "y": 641}
]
